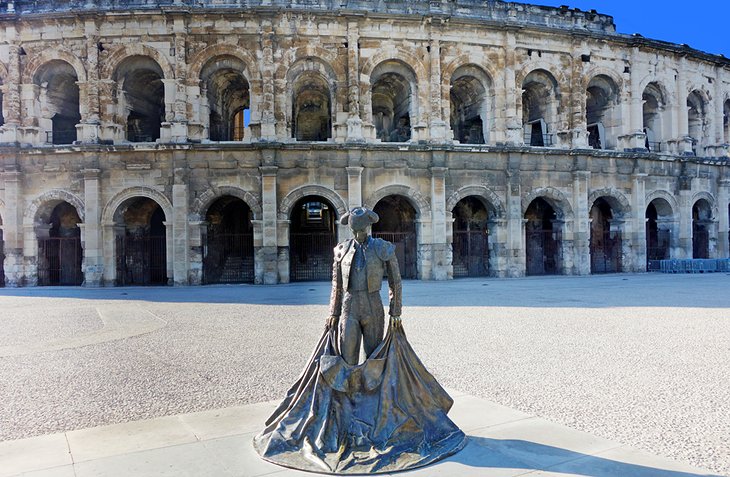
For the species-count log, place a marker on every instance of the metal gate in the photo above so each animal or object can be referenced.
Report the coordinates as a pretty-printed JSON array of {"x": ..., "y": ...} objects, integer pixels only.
[
  {"x": 59, "y": 261},
  {"x": 405, "y": 251},
  {"x": 700, "y": 243},
  {"x": 2, "y": 260},
  {"x": 542, "y": 252},
  {"x": 228, "y": 258},
  {"x": 606, "y": 252},
  {"x": 471, "y": 253},
  {"x": 311, "y": 255},
  {"x": 658, "y": 245},
  {"x": 141, "y": 260}
]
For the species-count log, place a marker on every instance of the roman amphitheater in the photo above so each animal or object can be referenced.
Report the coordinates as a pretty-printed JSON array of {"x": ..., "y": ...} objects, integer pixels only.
[{"x": 218, "y": 141}]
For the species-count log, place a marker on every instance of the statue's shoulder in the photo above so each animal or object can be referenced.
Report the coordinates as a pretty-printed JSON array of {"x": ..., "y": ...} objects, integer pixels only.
[
  {"x": 383, "y": 249},
  {"x": 341, "y": 249}
]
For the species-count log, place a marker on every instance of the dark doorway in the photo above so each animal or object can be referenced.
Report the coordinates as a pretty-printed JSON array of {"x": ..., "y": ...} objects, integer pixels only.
[
  {"x": 605, "y": 244},
  {"x": 658, "y": 235},
  {"x": 542, "y": 239},
  {"x": 228, "y": 252},
  {"x": 2, "y": 257},
  {"x": 397, "y": 224},
  {"x": 701, "y": 221},
  {"x": 141, "y": 243},
  {"x": 59, "y": 249},
  {"x": 312, "y": 239},
  {"x": 471, "y": 239},
  {"x": 141, "y": 84}
]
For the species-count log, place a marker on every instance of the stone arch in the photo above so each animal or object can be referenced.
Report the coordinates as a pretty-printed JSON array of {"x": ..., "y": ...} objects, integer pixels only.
[
  {"x": 561, "y": 80},
  {"x": 710, "y": 200},
  {"x": 479, "y": 191},
  {"x": 602, "y": 71},
  {"x": 616, "y": 199},
  {"x": 395, "y": 54},
  {"x": 666, "y": 196},
  {"x": 203, "y": 201},
  {"x": 300, "y": 192},
  {"x": 250, "y": 71},
  {"x": 422, "y": 206},
  {"x": 554, "y": 197},
  {"x": 112, "y": 62},
  {"x": 107, "y": 215},
  {"x": 667, "y": 96},
  {"x": 35, "y": 210},
  {"x": 46, "y": 56},
  {"x": 476, "y": 60}
]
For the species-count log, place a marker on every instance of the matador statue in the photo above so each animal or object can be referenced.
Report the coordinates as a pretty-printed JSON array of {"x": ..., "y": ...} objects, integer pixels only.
[{"x": 345, "y": 417}]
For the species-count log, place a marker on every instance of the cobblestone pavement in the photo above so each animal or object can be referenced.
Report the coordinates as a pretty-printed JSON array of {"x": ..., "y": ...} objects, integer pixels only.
[{"x": 641, "y": 359}]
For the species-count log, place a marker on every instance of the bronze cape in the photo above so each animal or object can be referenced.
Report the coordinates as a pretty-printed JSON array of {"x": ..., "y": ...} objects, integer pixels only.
[{"x": 387, "y": 414}]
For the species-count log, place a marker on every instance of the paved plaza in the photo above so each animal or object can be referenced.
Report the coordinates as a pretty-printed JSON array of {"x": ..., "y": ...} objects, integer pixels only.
[{"x": 639, "y": 363}]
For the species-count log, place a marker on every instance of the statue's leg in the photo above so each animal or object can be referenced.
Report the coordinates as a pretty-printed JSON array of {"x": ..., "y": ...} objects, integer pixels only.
[
  {"x": 372, "y": 326},
  {"x": 350, "y": 331}
]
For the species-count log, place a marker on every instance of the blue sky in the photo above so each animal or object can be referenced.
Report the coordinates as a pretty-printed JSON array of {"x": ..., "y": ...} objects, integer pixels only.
[{"x": 702, "y": 24}]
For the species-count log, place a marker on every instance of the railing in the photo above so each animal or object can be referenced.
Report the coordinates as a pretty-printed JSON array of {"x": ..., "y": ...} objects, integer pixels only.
[
  {"x": 141, "y": 260},
  {"x": 228, "y": 258},
  {"x": 471, "y": 253},
  {"x": 139, "y": 138},
  {"x": 62, "y": 136},
  {"x": 311, "y": 255},
  {"x": 693, "y": 265},
  {"x": 405, "y": 251},
  {"x": 653, "y": 146},
  {"x": 539, "y": 140},
  {"x": 59, "y": 261}
]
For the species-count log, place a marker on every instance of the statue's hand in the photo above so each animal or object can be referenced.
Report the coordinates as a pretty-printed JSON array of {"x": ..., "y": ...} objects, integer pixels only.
[
  {"x": 395, "y": 319},
  {"x": 332, "y": 321}
]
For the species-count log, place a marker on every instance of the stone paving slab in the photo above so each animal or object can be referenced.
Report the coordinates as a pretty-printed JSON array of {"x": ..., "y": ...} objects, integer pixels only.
[{"x": 502, "y": 442}]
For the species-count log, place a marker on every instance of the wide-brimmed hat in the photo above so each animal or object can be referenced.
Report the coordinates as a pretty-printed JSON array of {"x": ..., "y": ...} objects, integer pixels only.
[{"x": 359, "y": 218}]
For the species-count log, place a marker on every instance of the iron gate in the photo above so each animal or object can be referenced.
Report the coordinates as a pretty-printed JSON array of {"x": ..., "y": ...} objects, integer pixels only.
[
  {"x": 658, "y": 246},
  {"x": 700, "y": 243},
  {"x": 2, "y": 260},
  {"x": 141, "y": 260},
  {"x": 228, "y": 258},
  {"x": 405, "y": 251},
  {"x": 311, "y": 255},
  {"x": 471, "y": 253},
  {"x": 59, "y": 261},
  {"x": 606, "y": 252},
  {"x": 542, "y": 252}
]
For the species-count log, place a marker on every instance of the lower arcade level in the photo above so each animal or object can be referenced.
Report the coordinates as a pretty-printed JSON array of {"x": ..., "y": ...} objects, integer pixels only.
[{"x": 190, "y": 216}]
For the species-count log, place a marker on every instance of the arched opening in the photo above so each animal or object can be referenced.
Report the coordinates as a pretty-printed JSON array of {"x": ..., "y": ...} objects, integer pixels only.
[
  {"x": 59, "y": 247},
  {"x": 311, "y": 108},
  {"x": 659, "y": 219},
  {"x": 397, "y": 224},
  {"x": 539, "y": 108},
  {"x": 228, "y": 255},
  {"x": 312, "y": 239},
  {"x": 141, "y": 243},
  {"x": 470, "y": 106},
  {"x": 141, "y": 97},
  {"x": 58, "y": 97},
  {"x": 602, "y": 113},
  {"x": 701, "y": 223},
  {"x": 543, "y": 239},
  {"x": 654, "y": 105},
  {"x": 391, "y": 86},
  {"x": 471, "y": 238},
  {"x": 697, "y": 122},
  {"x": 726, "y": 121},
  {"x": 605, "y": 245},
  {"x": 2, "y": 255},
  {"x": 228, "y": 98},
  {"x": 2, "y": 115}
]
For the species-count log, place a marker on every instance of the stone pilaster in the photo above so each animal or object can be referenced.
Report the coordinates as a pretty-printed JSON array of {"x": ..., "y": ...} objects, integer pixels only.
[
  {"x": 437, "y": 125},
  {"x": 684, "y": 141},
  {"x": 354, "y": 122},
  {"x": 634, "y": 137},
  {"x": 723, "y": 233},
  {"x": 89, "y": 107},
  {"x": 441, "y": 259},
  {"x": 516, "y": 261},
  {"x": 268, "y": 116},
  {"x": 354, "y": 187},
  {"x": 267, "y": 260},
  {"x": 513, "y": 127},
  {"x": 637, "y": 239},
  {"x": 13, "y": 230},
  {"x": 93, "y": 245},
  {"x": 685, "y": 224},
  {"x": 581, "y": 224},
  {"x": 11, "y": 91},
  {"x": 180, "y": 239}
]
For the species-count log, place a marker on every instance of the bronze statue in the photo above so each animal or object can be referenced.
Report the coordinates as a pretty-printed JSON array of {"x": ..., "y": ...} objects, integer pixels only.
[{"x": 384, "y": 415}]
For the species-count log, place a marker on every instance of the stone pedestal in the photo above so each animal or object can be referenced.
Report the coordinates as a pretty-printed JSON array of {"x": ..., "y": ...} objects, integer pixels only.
[{"x": 636, "y": 141}]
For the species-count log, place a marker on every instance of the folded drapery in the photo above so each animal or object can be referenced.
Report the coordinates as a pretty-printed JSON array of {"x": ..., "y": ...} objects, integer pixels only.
[{"x": 385, "y": 415}]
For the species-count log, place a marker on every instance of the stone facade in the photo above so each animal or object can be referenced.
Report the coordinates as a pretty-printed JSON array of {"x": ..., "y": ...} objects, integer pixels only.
[{"x": 194, "y": 139}]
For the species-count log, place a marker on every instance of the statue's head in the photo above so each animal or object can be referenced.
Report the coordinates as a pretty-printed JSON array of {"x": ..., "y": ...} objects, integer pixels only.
[{"x": 359, "y": 219}]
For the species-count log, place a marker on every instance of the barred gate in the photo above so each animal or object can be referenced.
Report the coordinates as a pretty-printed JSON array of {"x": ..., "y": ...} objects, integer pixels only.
[
  {"x": 141, "y": 260},
  {"x": 606, "y": 255},
  {"x": 311, "y": 255},
  {"x": 2, "y": 260},
  {"x": 700, "y": 243},
  {"x": 543, "y": 252},
  {"x": 59, "y": 261},
  {"x": 658, "y": 246},
  {"x": 471, "y": 253},
  {"x": 405, "y": 251},
  {"x": 228, "y": 258}
]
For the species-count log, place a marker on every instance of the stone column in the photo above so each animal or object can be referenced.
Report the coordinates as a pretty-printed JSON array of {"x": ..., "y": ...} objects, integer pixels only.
[
  {"x": 634, "y": 137},
  {"x": 180, "y": 240},
  {"x": 723, "y": 234},
  {"x": 170, "y": 250},
  {"x": 354, "y": 186},
  {"x": 268, "y": 118},
  {"x": 354, "y": 122},
  {"x": 684, "y": 141},
  {"x": 685, "y": 224},
  {"x": 515, "y": 245},
  {"x": 11, "y": 91},
  {"x": 197, "y": 233},
  {"x": 13, "y": 229},
  {"x": 179, "y": 126},
  {"x": 578, "y": 96},
  {"x": 93, "y": 245},
  {"x": 441, "y": 252},
  {"x": 637, "y": 240},
  {"x": 513, "y": 126},
  {"x": 581, "y": 224},
  {"x": 88, "y": 128},
  {"x": 499, "y": 258},
  {"x": 437, "y": 126},
  {"x": 267, "y": 257}
]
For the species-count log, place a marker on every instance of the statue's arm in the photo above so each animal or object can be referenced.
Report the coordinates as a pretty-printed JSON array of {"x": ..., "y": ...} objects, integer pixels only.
[
  {"x": 394, "y": 286},
  {"x": 336, "y": 294}
]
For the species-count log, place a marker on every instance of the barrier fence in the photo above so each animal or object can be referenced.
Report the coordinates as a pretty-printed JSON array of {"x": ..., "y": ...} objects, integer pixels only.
[{"x": 690, "y": 265}]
